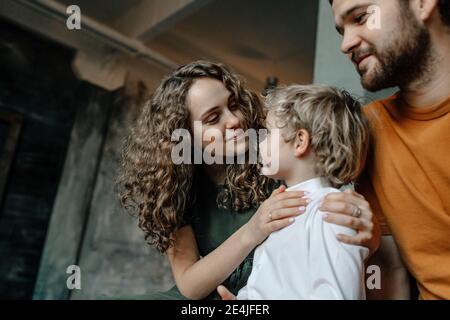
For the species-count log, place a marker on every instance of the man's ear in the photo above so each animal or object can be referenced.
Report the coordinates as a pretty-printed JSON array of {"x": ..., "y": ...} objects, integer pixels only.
[
  {"x": 301, "y": 143},
  {"x": 425, "y": 8}
]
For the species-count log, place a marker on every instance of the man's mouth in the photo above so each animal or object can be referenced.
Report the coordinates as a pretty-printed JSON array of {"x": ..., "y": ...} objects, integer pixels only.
[{"x": 359, "y": 59}]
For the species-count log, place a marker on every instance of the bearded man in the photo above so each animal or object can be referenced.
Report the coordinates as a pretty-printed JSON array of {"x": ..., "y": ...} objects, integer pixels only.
[{"x": 407, "y": 181}]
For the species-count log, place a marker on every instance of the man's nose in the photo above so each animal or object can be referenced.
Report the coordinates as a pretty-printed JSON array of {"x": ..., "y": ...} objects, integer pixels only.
[{"x": 350, "y": 41}]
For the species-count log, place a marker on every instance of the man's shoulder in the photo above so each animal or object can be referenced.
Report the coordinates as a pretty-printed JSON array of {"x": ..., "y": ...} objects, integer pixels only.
[{"x": 379, "y": 105}]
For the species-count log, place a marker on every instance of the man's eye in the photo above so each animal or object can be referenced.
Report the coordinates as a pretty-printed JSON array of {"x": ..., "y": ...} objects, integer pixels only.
[{"x": 361, "y": 18}]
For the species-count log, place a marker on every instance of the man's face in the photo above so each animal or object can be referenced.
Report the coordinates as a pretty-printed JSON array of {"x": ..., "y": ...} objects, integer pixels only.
[{"x": 384, "y": 39}]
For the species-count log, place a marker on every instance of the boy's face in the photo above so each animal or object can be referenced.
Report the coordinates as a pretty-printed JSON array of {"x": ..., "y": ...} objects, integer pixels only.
[{"x": 276, "y": 155}]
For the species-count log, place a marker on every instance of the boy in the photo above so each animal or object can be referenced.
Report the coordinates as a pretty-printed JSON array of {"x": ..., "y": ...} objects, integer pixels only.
[{"x": 322, "y": 141}]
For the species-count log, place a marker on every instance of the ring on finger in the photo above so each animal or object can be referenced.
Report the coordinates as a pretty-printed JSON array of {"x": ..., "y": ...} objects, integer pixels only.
[
  {"x": 357, "y": 212},
  {"x": 270, "y": 216}
]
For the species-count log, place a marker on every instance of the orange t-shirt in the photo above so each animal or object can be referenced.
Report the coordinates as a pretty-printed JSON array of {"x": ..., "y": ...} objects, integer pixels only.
[{"x": 407, "y": 183}]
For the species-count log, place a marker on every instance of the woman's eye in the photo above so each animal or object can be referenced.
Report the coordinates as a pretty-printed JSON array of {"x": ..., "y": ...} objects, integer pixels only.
[
  {"x": 212, "y": 119},
  {"x": 234, "y": 107}
]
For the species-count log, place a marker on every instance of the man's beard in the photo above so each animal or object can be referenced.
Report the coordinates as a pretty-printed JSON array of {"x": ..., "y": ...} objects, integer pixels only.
[{"x": 402, "y": 61}]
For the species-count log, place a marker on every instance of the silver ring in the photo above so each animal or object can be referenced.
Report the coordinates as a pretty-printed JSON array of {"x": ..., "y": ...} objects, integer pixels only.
[
  {"x": 357, "y": 212},
  {"x": 270, "y": 216}
]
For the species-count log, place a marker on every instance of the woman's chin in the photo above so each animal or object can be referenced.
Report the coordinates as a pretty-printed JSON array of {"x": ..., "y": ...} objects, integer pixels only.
[
  {"x": 240, "y": 149},
  {"x": 269, "y": 172}
]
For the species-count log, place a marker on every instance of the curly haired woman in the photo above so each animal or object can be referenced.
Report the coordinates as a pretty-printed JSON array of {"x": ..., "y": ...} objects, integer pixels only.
[{"x": 208, "y": 219}]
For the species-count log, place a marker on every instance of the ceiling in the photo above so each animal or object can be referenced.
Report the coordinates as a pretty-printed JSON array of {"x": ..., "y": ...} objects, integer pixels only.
[{"x": 258, "y": 38}]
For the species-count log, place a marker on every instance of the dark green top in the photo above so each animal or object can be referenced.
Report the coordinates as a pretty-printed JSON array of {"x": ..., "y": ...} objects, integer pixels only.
[{"x": 212, "y": 226}]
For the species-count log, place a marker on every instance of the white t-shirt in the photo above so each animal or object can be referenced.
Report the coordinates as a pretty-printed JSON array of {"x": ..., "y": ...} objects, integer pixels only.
[{"x": 305, "y": 260}]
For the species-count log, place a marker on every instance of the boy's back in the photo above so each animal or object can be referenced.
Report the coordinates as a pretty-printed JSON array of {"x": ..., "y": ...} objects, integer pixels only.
[{"x": 305, "y": 260}]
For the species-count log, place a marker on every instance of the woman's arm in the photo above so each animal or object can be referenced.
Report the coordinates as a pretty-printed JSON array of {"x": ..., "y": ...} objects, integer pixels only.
[{"x": 196, "y": 278}]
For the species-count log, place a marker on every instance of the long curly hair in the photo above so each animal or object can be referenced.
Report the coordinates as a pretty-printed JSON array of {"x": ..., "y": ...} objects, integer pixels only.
[{"x": 159, "y": 190}]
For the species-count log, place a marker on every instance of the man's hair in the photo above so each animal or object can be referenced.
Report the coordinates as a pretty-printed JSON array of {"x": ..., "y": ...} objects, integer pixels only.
[
  {"x": 444, "y": 10},
  {"x": 339, "y": 132}
]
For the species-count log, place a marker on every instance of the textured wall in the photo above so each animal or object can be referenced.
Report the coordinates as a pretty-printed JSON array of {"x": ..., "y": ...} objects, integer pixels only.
[
  {"x": 115, "y": 261},
  {"x": 60, "y": 207},
  {"x": 36, "y": 82}
]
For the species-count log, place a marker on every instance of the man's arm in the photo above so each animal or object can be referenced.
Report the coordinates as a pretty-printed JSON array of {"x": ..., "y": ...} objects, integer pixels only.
[{"x": 394, "y": 275}]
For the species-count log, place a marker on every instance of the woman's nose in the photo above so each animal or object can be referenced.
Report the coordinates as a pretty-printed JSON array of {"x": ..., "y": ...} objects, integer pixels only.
[{"x": 232, "y": 121}]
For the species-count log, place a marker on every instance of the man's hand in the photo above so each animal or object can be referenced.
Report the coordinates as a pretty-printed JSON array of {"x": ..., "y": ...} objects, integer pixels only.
[
  {"x": 350, "y": 209},
  {"x": 225, "y": 294}
]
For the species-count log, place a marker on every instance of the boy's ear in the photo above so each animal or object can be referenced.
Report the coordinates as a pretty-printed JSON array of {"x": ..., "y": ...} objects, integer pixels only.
[{"x": 301, "y": 143}]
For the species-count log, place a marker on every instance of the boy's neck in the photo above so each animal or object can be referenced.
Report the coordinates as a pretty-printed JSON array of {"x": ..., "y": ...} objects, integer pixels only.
[
  {"x": 303, "y": 173},
  {"x": 303, "y": 169}
]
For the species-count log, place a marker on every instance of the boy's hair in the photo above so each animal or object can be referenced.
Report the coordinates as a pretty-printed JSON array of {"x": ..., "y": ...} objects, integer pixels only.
[{"x": 339, "y": 132}]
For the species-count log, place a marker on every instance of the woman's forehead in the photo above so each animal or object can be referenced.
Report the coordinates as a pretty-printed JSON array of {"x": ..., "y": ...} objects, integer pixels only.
[{"x": 206, "y": 93}]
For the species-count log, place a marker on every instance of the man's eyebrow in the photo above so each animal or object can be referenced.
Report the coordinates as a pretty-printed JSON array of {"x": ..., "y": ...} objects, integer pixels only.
[{"x": 349, "y": 12}]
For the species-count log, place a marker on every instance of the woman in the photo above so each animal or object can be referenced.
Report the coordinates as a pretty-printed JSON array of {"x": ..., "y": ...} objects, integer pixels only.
[{"x": 206, "y": 218}]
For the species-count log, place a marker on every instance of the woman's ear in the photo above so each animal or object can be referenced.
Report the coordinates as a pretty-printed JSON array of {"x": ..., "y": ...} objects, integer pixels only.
[{"x": 301, "y": 143}]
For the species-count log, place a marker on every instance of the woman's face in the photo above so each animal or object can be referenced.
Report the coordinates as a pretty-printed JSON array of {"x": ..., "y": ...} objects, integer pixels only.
[{"x": 221, "y": 120}]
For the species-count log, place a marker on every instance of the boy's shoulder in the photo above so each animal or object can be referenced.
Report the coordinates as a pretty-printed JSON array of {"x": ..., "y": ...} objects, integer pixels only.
[{"x": 321, "y": 193}]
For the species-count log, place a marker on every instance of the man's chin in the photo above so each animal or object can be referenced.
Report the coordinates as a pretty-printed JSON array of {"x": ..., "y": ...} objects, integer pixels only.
[
  {"x": 373, "y": 84},
  {"x": 373, "y": 79}
]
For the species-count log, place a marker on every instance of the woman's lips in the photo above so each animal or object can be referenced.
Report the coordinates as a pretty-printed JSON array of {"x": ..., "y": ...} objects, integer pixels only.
[{"x": 238, "y": 135}]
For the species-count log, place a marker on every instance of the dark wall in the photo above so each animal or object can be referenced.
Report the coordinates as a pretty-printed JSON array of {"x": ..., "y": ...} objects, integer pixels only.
[{"x": 36, "y": 82}]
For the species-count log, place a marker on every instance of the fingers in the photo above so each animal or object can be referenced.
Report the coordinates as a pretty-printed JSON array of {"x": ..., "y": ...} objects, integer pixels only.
[
  {"x": 347, "y": 221},
  {"x": 278, "y": 190},
  {"x": 361, "y": 239},
  {"x": 346, "y": 206},
  {"x": 225, "y": 294},
  {"x": 280, "y": 224},
  {"x": 289, "y": 203},
  {"x": 350, "y": 198},
  {"x": 350, "y": 191},
  {"x": 288, "y": 212},
  {"x": 288, "y": 195}
]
